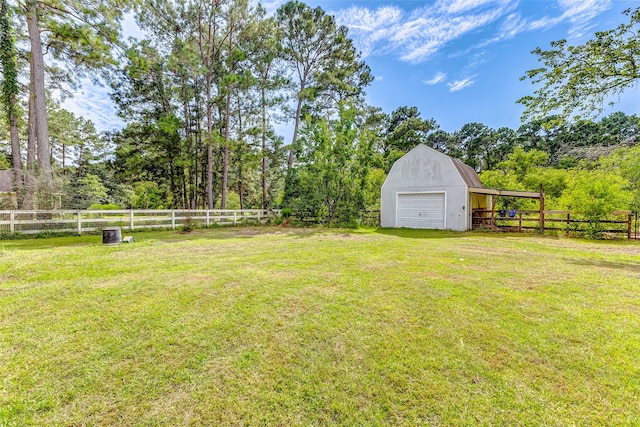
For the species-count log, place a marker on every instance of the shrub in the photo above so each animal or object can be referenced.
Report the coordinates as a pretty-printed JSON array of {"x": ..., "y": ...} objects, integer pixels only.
[{"x": 107, "y": 207}]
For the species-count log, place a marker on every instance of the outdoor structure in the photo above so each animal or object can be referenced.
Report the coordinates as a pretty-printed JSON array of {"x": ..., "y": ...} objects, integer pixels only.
[
  {"x": 8, "y": 198},
  {"x": 428, "y": 189}
]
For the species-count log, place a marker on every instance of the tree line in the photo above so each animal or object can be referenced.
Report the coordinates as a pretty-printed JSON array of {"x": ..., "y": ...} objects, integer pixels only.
[{"x": 204, "y": 92}]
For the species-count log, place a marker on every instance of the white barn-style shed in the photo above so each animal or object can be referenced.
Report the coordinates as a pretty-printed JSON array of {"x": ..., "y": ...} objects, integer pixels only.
[{"x": 428, "y": 189}]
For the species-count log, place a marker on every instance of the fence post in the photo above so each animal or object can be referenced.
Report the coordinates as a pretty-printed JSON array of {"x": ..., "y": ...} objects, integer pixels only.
[
  {"x": 173, "y": 219},
  {"x": 235, "y": 217},
  {"x": 629, "y": 225},
  {"x": 79, "y": 222},
  {"x": 259, "y": 215},
  {"x": 520, "y": 222},
  {"x": 541, "y": 209},
  {"x": 208, "y": 220},
  {"x": 131, "y": 220},
  {"x": 12, "y": 223}
]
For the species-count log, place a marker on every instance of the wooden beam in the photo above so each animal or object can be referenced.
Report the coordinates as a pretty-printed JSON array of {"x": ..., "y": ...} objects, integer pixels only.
[
  {"x": 524, "y": 194},
  {"x": 510, "y": 193}
]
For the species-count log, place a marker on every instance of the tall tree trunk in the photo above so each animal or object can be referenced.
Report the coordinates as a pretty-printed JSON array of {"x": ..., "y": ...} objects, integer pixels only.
[
  {"x": 38, "y": 93},
  {"x": 295, "y": 128},
  {"x": 187, "y": 136},
  {"x": 16, "y": 160},
  {"x": 225, "y": 154},
  {"x": 198, "y": 141},
  {"x": 263, "y": 148},
  {"x": 210, "y": 201},
  {"x": 29, "y": 201},
  {"x": 240, "y": 153}
]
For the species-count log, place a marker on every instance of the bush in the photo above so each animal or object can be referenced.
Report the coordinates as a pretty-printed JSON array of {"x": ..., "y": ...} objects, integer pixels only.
[
  {"x": 595, "y": 194},
  {"x": 107, "y": 207},
  {"x": 189, "y": 225}
]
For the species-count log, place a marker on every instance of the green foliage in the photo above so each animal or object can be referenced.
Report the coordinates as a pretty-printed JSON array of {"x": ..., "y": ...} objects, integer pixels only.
[
  {"x": 149, "y": 195},
  {"x": 375, "y": 179},
  {"x": 8, "y": 61},
  {"x": 406, "y": 129},
  {"x": 625, "y": 162},
  {"x": 105, "y": 207},
  {"x": 82, "y": 35},
  {"x": 85, "y": 191},
  {"x": 579, "y": 79},
  {"x": 323, "y": 62},
  {"x": 522, "y": 162},
  {"x": 286, "y": 213},
  {"x": 553, "y": 181},
  {"x": 330, "y": 181},
  {"x": 480, "y": 146},
  {"x": 4, "y": 162},
  {"x": 233, "y": 201},
  {"x": 595, "y": 194}
]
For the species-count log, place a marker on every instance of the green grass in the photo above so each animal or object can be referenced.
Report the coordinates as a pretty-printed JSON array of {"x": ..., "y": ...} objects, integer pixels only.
[{"x": 277, "y": 326}]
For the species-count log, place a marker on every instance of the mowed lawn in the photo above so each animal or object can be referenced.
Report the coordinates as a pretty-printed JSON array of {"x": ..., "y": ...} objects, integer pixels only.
[{"x": 278, "y": 326}]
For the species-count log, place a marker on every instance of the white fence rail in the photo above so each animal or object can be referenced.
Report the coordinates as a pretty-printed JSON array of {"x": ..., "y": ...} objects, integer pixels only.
[{"x": 82, "y": 221}]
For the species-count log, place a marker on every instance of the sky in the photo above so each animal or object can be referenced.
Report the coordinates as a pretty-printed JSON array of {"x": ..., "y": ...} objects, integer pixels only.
[{"x": 458, "y": 61}]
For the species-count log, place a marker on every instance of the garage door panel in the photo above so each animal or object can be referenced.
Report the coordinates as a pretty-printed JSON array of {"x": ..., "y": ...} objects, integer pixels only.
[{"x": 421, "y": 210}]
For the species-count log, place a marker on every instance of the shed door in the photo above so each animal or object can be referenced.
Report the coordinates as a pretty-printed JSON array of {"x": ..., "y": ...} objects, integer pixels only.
[{"x": 421, "y": 210}]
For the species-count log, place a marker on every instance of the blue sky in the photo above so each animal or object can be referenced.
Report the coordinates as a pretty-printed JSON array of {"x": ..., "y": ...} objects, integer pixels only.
[{"x": 458, "y": 61}]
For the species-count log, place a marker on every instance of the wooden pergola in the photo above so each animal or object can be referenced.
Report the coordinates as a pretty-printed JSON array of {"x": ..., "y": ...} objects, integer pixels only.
[{"x": 493, "y": 192}]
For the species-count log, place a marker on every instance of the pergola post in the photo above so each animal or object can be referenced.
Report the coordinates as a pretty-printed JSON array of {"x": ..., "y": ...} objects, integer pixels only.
[
  {"x": 541, "y": 209},
  {"x": 493, "y": 212}
]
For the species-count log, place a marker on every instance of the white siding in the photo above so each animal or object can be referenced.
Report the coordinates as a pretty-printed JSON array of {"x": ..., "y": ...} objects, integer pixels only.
[{"x": 424, "y": 170}]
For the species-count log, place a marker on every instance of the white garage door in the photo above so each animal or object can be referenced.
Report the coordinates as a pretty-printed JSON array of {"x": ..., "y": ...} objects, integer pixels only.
[{"x": 421, "y": 210}]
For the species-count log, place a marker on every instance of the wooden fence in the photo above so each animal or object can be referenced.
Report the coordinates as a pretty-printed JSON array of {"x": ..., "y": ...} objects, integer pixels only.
[
  {"x": 621, "y": 222},
  {"x": 83, "y": 221}
]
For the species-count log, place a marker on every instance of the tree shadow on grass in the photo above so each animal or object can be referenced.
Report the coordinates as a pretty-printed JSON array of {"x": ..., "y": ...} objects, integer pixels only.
[
  {"x": 219, "y": 233},
  {"x": 411, "y": 233},
  {"x": 224, "y": 233},
  {"x": 633, "y": 266}
]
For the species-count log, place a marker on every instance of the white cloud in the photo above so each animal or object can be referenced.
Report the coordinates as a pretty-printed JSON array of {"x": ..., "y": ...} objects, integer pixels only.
[
  {"x": 367, "y": 28},
  {"x": 438, "y": 78},
  {"x": 458, "y": 6},
  {"x": 422, "y": 39},
  {"x": 460, "y": 84},
  {"x": 420, "y": 33},
  {"x": 94, "y": 103},
  {"x": 414, "y": 36},
  {"x": 581, "y": 12}
]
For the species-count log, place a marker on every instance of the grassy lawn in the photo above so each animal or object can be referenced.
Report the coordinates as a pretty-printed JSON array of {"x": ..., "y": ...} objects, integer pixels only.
[{"x": 276, "y": 326}]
